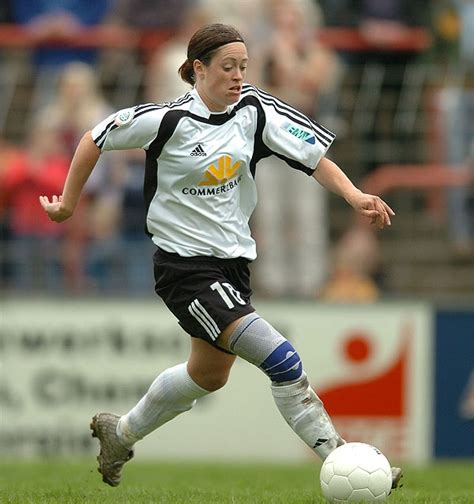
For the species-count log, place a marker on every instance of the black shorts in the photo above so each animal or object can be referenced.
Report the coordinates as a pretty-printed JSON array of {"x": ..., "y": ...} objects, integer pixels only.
[{"x": 205, "y": 294}]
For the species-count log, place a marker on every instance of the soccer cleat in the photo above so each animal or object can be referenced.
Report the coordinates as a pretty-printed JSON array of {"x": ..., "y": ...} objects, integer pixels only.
[
  {"x": 397, "y": 475},
  {"x": 113, "y": 454}
]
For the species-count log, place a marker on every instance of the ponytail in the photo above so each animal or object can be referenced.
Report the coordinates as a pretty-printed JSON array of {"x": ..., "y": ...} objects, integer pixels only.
[{"x": 186, "y": 72}]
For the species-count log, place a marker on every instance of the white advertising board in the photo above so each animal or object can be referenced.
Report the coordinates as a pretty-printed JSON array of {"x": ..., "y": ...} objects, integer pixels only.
[{"x": 63, "y": 361}]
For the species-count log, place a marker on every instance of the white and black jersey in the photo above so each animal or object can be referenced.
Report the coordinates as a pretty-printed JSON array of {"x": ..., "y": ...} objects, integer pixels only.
[{"x": 199, "y": 184}]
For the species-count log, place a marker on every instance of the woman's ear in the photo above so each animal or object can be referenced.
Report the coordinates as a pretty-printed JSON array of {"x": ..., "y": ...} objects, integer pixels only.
[{"x": 198, "y": 68}]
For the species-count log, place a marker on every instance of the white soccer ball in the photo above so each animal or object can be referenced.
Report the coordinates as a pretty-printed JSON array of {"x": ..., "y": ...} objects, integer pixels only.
[{"x": 356, "y": 472}]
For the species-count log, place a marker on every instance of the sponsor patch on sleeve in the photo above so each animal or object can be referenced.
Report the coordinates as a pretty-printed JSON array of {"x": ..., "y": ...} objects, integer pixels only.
[
  {"x": 299, "y": 132},
  {"x": 124, "y": 117}
]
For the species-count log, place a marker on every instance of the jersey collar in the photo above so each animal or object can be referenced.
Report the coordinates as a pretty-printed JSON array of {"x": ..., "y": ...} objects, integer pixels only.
[{"x": 198, "y": 107}]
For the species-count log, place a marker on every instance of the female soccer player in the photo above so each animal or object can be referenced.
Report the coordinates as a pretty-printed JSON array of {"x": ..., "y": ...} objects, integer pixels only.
[{"x": 201, "y": 155}]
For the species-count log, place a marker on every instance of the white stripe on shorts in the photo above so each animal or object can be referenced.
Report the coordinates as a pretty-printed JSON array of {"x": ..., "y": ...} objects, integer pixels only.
[{"x": 202, "y": 316}]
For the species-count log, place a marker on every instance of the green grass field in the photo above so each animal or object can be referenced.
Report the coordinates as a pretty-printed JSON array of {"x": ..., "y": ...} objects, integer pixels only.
[{"x": 146, "y": 482}]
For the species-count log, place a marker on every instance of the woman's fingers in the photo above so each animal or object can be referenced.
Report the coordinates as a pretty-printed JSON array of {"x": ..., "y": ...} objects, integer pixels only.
[{"x": 44, "y": 201}]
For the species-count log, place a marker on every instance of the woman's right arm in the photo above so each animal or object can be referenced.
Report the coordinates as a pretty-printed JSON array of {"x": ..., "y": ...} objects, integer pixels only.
[{"x": 85, "y": 158}]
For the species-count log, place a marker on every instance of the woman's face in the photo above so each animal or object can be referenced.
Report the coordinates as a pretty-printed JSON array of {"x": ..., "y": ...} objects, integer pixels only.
[{"x": 220, "y": 83}]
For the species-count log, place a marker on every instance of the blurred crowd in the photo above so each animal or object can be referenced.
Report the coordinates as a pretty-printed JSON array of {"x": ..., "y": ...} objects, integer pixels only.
[{"x": 377, "y": 53}]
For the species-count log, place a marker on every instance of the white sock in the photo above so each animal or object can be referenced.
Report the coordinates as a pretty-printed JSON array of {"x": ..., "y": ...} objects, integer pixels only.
[
  {"x": 172, "y": 393},
  {"x": 305, "y": 414}
]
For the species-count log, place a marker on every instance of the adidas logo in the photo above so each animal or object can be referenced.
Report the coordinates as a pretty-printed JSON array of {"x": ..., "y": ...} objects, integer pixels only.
[
  {"x": 319, "y": 442},
  {"x": 198, "y": 151}
]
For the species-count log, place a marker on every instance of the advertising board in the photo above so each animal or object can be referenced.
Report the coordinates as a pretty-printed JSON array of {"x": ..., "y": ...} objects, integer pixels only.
[
  {"x": 63, "y": 361},
  {"x": 454, "y": 403}
]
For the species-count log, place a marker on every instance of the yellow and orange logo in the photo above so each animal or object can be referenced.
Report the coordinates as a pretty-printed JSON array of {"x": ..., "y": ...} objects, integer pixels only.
[{"x": 222, "y": 173}]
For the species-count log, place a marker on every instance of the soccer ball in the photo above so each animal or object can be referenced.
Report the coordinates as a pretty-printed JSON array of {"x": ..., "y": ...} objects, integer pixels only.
[{"x": 356, "y": 472}]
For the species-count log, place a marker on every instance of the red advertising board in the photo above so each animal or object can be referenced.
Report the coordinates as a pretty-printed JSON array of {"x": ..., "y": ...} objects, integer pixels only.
[{"x": 374, "y": 376}]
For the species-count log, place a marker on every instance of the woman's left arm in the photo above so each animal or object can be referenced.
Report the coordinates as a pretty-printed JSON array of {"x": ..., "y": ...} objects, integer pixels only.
[{"x": 330, "y": 176}]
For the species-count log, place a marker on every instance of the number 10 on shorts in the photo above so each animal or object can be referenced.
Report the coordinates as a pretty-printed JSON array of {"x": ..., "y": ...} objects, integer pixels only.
[{"x": 221, "y": 289}]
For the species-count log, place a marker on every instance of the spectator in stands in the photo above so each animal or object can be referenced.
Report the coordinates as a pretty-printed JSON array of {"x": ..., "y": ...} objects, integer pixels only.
[
  {"x": 446, "y": 30},
  {"x": 299, "y": 71},
  {"x": 162, "y": 80},
  {"x": 379, "y": 72},
  {"x": 76, "y": 104},
  {"x": 247, "y": 14},
  {"x": 58, "y": 19},
  {"x": 94, "y": 253},
  {"x": 457, "y": 112},
  {"x": 295, "y": 64},
  {"x": 355, "y": 263},
  {"x": 34, "y": 249},
  {"x": 156, "y": 18}
]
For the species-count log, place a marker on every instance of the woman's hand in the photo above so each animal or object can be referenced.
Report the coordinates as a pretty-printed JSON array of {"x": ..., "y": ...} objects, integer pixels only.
[
  {"x": 85, "y": 158},
  {"x": 329, "y": 175},
  {"x": 372, "y": 207},
  {"x": 54, "y": 208}
]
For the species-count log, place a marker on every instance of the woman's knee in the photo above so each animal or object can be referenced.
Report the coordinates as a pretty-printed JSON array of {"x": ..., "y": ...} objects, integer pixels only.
[
  {"x": 208, "y": 366},
  {"x": 216, "y": 381},
  {"x": 210, "y": 380}
]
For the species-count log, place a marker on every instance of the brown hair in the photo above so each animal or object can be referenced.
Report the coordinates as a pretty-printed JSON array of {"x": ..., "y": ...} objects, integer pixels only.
[{"x": 203, "y": 45}]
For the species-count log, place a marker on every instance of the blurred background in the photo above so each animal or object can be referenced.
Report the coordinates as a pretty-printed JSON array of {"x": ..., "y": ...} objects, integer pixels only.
[{"x": 388, "y": 315}]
